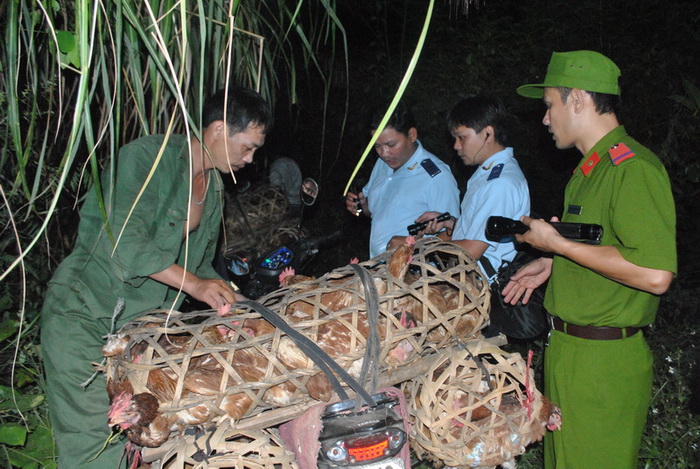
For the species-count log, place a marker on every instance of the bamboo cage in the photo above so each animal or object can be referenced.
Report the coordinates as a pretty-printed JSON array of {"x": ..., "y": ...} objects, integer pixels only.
[
  {"x": 240, "y": 373},
  {"x": 477, "y": 406},
  {"x": 249, "y": 449},
  {"x": 259, "y": 219}
]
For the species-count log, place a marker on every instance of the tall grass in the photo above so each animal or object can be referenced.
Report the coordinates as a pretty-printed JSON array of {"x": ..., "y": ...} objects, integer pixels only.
[{"x": 79, "y": 79}]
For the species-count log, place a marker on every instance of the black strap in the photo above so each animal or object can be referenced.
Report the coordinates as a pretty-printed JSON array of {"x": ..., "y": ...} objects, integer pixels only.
[
  {"x": 370, "y": 365},
  {"x": 486, "y": 264},
  {"x": 314, "y": 352}
]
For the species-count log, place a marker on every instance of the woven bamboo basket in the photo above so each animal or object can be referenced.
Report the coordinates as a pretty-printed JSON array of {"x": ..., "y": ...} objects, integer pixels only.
[
  {"x": 262, "y": 223},
  {"x": 250, "y": 449},
  {"x": 476, "y": 407},
  {"x": 263, "y": 204},
  {"x": 230, "y": 370}
]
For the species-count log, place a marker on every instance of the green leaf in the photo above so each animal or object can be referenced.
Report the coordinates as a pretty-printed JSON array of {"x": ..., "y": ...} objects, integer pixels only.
[
  {"x": 74, "y": 57},
  {"x": 13, "y": 434},
  {"x": 8, "y": 329},
  {"x": 66, "y": 41},
  {"x": 25, "y": 402},
  {"x": 67, "y": 44},
  {"x": 38, "y": 452},
  {"x": 23, "y": 377}
]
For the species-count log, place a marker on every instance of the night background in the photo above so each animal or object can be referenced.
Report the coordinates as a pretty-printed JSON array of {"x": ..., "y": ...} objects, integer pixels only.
[
  {"x": 494, "y": 47},
  {"x": 497, "y": 47}
]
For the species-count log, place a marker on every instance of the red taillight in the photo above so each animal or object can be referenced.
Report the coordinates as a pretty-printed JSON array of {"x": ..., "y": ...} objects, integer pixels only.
[{"x": 366, "y": 452}]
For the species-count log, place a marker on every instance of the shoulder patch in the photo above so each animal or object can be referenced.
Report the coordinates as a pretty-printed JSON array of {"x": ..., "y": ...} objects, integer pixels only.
[
  {"x": 495, "y": 172},
  {"x": 619, "y": 153},
  {"x": 430, "y": 167}
]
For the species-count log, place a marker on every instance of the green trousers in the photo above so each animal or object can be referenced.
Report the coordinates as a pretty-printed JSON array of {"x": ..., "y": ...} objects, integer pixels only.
[
  {"x": 71, "y": 340},
  {"x": 603, "y": 388}
]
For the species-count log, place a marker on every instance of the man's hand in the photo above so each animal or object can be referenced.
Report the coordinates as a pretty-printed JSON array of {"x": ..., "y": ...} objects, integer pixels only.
[
  {"x": 214, "y": 292},
  {"x": 225, "y": 310},
  {"x": 542, "y": 235},
  {"x": 434, "y": 226},
  {"x": 526, "y": 280},
  {"x": 353, "y": 202}
]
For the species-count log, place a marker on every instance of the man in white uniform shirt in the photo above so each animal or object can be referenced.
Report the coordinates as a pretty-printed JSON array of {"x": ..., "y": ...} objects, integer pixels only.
[
  {"x": 497, "y": 187},
  {"x": 406, "y": 181}
]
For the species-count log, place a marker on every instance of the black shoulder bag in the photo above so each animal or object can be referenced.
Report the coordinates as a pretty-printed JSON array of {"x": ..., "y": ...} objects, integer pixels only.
[{"x": 519, "y": 321}]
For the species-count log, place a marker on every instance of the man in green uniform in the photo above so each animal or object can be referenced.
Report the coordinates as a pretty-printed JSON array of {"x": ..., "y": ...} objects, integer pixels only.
[
  {"x": 159, "y": 247},
  {"x": 598, "y": 367}
]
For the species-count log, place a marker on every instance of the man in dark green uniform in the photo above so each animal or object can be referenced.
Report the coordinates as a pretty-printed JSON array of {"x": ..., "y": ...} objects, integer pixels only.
[
  {"x": 598, "y": 367},
  {"x": 160, "y": 248}
]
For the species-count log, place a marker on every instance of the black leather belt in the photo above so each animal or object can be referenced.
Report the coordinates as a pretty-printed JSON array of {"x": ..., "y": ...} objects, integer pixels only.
[{"x": 592, "y": 332}]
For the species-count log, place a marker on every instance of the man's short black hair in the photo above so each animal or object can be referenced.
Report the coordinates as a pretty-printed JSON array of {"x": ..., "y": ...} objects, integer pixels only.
[
  {"x": 604, "y": 103},
  {"x": 476, "y": 112},
  {"x": 243, "y": 107},
  {"x": 401, "y": 120}
]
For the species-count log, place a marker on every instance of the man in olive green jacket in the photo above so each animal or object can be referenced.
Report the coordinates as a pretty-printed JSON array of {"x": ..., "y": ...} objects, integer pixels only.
[{"x": 159, "y": 247}]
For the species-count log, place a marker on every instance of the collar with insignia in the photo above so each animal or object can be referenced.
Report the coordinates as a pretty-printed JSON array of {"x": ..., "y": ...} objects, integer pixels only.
[{"x": 590, "y": 163}]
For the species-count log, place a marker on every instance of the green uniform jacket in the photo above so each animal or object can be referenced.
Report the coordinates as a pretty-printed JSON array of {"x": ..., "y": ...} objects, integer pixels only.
[
  {"x": 630, "y": 196},
  {"x": 85, "y": 289}
]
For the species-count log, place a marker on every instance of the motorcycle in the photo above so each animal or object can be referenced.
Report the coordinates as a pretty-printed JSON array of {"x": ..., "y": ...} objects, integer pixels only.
[
  {"x": 370, "y": 437},
  {"x": 257, "y": 274}
]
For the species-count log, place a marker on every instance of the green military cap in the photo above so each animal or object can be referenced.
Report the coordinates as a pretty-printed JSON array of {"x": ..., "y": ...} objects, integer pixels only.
[{"x": 583, "y": 69}]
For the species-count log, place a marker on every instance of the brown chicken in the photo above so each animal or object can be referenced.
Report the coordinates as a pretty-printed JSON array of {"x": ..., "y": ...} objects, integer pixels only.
[
  {"x": 301, "y": 310},
  {"x": 467, "y": 323},
  {"x": 341, "y": 297},
  {"x": 138, "y": 416},
  {"x": 288, "y": 277},
  {"x": 401, "y": 258},
  {"x": 549, "y": 415},
  {"x": 339, "y": 341},
  {"x": 207, "y": 378},
  {"x": 145, "y": 417},
  {"x": 339, "y": 338}
]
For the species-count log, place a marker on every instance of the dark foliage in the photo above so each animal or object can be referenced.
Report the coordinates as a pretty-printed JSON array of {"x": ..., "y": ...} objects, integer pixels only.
[{"x": 497, "y": 47}]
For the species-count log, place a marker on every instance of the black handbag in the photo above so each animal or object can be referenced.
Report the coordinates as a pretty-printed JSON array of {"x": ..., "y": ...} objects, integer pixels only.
[{"x": 519, "y": 321}]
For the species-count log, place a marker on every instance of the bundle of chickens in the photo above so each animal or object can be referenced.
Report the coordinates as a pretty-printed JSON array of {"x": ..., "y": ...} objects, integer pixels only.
[
  {"x": 477, "y": 407},
  {"x": 168, "y": 371},
  {"x": 259, "y": 218}
]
